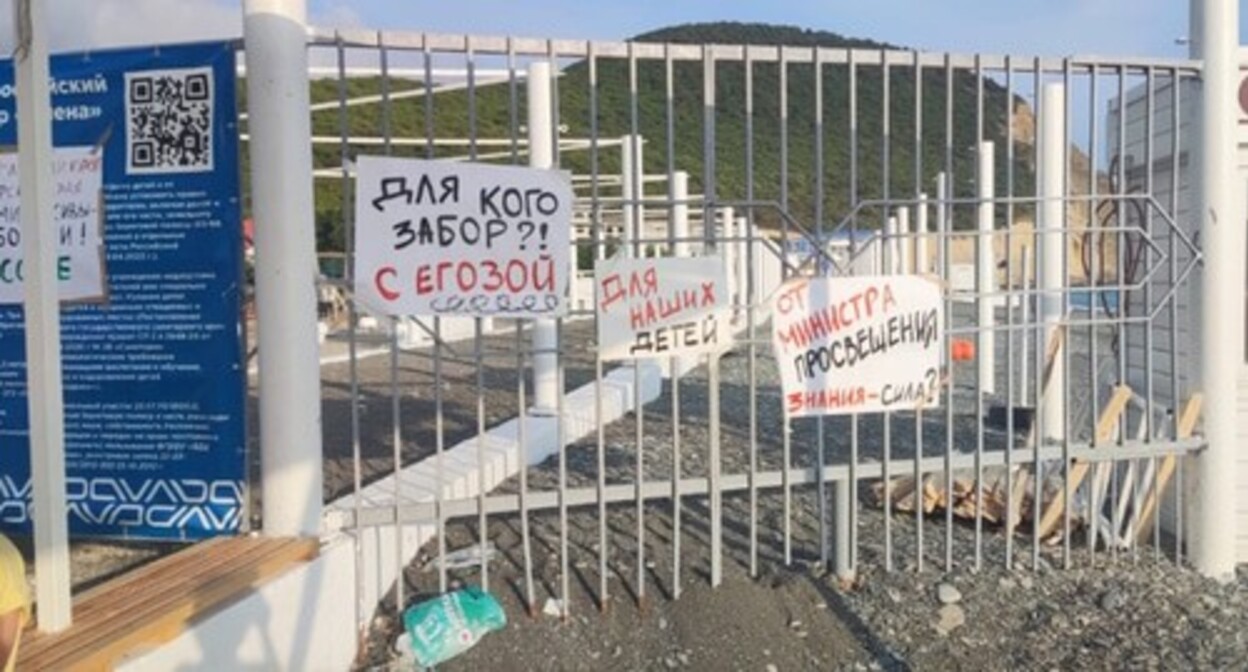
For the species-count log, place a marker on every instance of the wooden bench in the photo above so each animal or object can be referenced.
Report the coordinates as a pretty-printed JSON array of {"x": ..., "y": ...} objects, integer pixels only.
[{"x": 157, "y": 602}]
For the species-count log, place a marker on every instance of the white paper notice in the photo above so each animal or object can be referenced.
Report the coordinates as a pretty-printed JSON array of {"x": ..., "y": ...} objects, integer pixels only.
[
  {"x": 77, "y": 215},
  {"x": 858, "y": 345},
  {"x": 661, "y": 307},
  {"x": 467, "y": 239}
]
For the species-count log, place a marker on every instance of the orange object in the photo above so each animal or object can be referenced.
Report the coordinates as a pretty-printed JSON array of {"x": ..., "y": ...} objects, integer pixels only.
[{"x": 961, "y": 350}]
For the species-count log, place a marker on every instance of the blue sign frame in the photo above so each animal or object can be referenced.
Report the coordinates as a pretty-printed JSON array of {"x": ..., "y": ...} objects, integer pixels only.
[{"x": 154, "y": 374}]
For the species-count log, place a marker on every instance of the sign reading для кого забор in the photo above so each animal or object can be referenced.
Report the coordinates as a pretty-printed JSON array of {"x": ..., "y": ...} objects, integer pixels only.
[
  {"x": 77, "y": 216},
  {"x": 661, "y": 307},
  {"x": 858, "y": 344},
  {"x": 466, "y": 239},
  {"x": 154, "y": 381}
]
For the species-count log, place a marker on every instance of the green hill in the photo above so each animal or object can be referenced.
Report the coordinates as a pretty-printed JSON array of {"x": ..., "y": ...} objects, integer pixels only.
[{"x": 406, "y": 120}]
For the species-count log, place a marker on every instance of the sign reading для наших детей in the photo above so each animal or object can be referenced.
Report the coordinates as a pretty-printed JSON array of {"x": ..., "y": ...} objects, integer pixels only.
[
  {"x": 858, "y": 345},
  {"x": 661, "y": 307},
  {"x": 467, "y": 239}
]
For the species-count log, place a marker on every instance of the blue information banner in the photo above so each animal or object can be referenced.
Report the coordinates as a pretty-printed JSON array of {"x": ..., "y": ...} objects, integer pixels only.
[{"x": 153, "y": 370}]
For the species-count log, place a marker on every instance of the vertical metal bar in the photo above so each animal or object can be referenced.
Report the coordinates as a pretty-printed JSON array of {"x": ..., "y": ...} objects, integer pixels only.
[
  {"x": 638, "y": 189},
  {"x": 396, "y": 420},
  {"x": 920, "y": 266},
  {"x": 1121, "y": 350},
  {"x": 438, "y": 428},
  {"x": 1068, "y": 504},
  {"x": 1176, "y": 100},
  {"x": 1094, "y": 280},
  {"x": 713, "y": 465},
  {"x": 348, "y": 276},
  {"x": 1147, "y": 233},
  {"x": 752, "y": 293},
  {"x": 787, "y": 445},
  {"x": 674, "y": 362},
  {"x": 947, "y": 237},
  {"x": 886, "y": 169},
  {"x": 980, "y": 384},
  {"x": 522, "y": 456},
  {"x": 561, "y": 428},
  {"x": 1041, "y": 345},
  {"x": 1009, "y": 313},
  {"x": 561, "y": 433},
  {"x": 820, "y": 438},
  {"x": 522, "y": 459},
  {"x": 852, "y": 102},
  {"x": 599, "y": 254},
  {"x": 478, "y": 340}
]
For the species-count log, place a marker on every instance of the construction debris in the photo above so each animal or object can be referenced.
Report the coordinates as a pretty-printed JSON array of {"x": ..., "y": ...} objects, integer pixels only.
[{"x": 1063, "y": 488}]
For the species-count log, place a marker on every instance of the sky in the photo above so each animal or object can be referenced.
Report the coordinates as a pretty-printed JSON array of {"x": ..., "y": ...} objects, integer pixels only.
[{"x": 1024, "y": 27}]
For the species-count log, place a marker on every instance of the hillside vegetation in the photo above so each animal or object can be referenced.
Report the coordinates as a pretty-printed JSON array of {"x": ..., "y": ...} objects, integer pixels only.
[{"x": 406, "y": 119}]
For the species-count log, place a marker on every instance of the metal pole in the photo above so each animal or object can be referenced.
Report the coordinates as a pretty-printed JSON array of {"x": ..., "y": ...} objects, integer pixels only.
[
  {"x": 545, "y": 339},
  {"x": 1052, "y": 249},
  {"x": 985, "y": 264},
  {"x": 1216, "y": 39},
  {"x": 275, "y": 34},
  {"x": 43, "y": 320}
]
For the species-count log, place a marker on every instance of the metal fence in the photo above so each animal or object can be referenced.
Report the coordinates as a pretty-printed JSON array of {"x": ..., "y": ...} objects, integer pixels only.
[{"x": 1059, "y": 228}]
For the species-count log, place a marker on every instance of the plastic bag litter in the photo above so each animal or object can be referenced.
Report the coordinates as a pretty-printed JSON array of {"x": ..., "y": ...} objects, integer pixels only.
[{"x": 442, "y": 628}]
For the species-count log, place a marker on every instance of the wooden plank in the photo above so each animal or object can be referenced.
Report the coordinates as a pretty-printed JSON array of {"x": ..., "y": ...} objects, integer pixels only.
[
  {"x": 138, "y": 622},
  {"x": 153, "y": 578},
  {"x": 125, "y": 608},
  {"x": 173, "y": 622},
  {"x": 119, "y": 608},
  {"x": 1050, "y": 359},
  {"x": 126, "y": 624},
  {"x": 1187, "y": 425},
  {"x": 172, "y": 575},
  {"x": 86, "y": 641},
  {"x": 1104, "y": 432}
]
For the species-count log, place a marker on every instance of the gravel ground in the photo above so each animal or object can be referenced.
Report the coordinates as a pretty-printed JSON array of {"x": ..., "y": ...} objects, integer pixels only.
[{"x": 1137, "y": 610}]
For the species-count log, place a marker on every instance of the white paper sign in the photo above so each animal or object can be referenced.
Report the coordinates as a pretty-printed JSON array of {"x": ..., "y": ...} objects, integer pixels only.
[
  {"x": 661, "y": 307},
  {"x": 450, "y": 238},
  {"x": 78, "y": 219},
  {"x": 858, "y": 345}
]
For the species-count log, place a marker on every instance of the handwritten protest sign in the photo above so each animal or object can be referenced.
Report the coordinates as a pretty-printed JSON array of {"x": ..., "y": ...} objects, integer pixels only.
[
  {"x": 857, "y": 345},
  {"x": 77, "y": 215},
  {"x": 661, "y": 307},
  {"x": 469, "y": 239}
]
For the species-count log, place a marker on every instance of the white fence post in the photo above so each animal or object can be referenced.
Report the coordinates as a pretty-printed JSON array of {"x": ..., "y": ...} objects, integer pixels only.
[
  {"x": 921, "y": 265},
  {"x": 1052, "y": 245},
  {"x": 679, "y": 190},
  {"x": 986, "y": 275},
  {"x": 1221, "y": 193},
  {"x": 888, "y": 250},
  {"x": 541, "y": 155},
  {"x": 275, "y": 33},
  {"x": 727, "y": 250},
  {"x": 904, "y": 241},
  {"x": 43, "y": 320},
  {"x": 632, "y": 188},
  {"x": 1024, "y": 335}
]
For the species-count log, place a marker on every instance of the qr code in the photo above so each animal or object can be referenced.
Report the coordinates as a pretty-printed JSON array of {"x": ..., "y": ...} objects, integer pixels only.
[{"x": 169, "y": 121}]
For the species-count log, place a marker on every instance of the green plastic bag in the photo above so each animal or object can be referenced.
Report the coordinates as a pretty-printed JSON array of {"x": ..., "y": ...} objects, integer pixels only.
[{"x": 440, "y": 629}]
